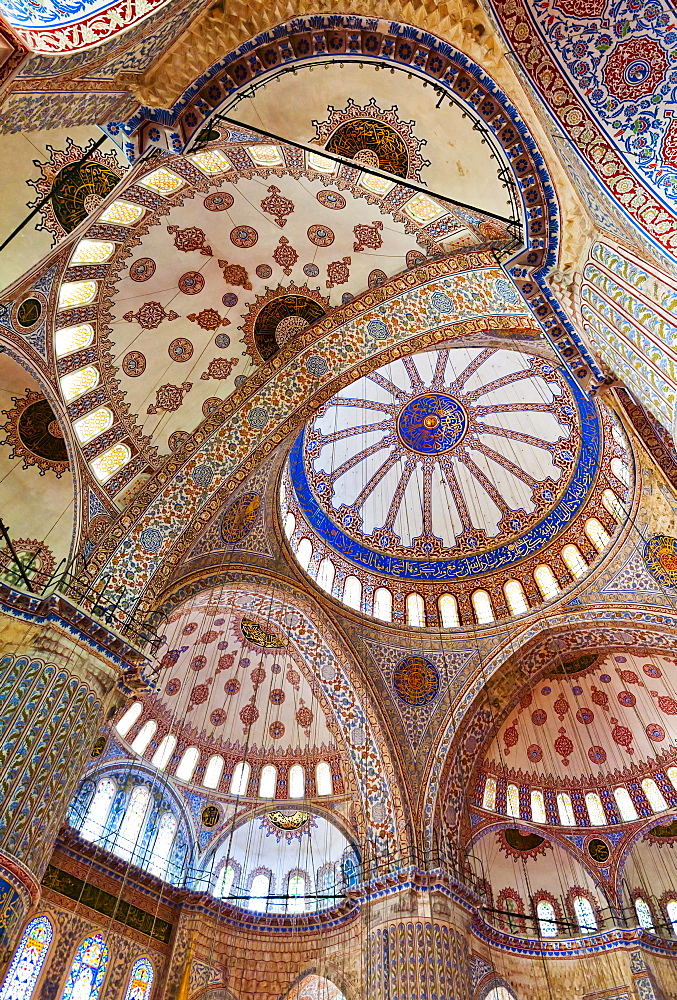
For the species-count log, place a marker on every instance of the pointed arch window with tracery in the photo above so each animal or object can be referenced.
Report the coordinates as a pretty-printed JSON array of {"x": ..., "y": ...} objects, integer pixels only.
[
  {"x": 29, "y": 958},
  {"x": 87, "y": 972},
  {"x": 140, "y": 980},
  {"x": 98, "y": 810}
]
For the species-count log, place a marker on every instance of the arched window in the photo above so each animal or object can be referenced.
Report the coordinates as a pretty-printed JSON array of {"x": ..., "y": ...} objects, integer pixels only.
[
  {"x": 77, "y": 383},
  {"x": 611, "y": 503},
  {"x": 122, "y": 213},
  {"x": 500, "y": 992},
  {"x": 352, "y": 593},
  {"x": 620, "y": 471},
  {"x": 626, "y": 806},
  {"x": 654, "y": 795},
  {"x": 289, "y": 524},
  {"x": 672, "y": 776},
  {"x": 547, "y": 920},
  {"x": 415, "y": 611},
  {"x": 187, "y": 764},
  {"x": 240, "y": 780},
  {"x": 325, "y": 575},
  {"x": 515, "y": 597},
  {"x": 512, "y": 801},
  {"x": 565, "y": 809},
  {"x": 671, "y": 910},
  {"x": 297, "y": 782},
  {"x": 258, "y": 894},
  {"x": 538, "y": 807},
  {"x": 213, "y": 771},
  {"x": 87, "y": 971},
  {"x": 383, "y": 604},
  {"x": 448, "y": 609},
  {"x": 93, "y": 424},
  {"x": 140, "y": 980},
  {"x": 77, "y": 293},
  {"x": 595, "y": 809},
  {"x": 72, "y": 338},
  {"x": 144, "y": 736},
  {"x": 99, "y": 807},
  {"x": 132, "y": 821},
  {"x": 296, "y": 894},
  {"x": 585, "y": 915},
  {"x": 643, "y": 911},
  {"x": 92, "y": 252},
  {"x": 129, "y": 718},
  {"x": 304, "y": 553},
  {"x": 164, "y": 752},
  {"x": 323, "y": 782},
  {"x": 574, "y": 561},
  {"x": 481, "y": 602},
  {"x": 159, "y": 859},
  {"x": 489, "y": 796},
  {"x": 597, "y": 534},
  {"x": 546, "y": 582},
  {"x": 268, "y": 782},
  {"x": 106, "y": 465},
  {"x": 224, "y": 882},
  {"x": 29, "y": 958}
]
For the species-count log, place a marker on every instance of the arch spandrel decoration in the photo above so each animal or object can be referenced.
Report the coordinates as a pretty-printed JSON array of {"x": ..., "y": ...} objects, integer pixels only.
[{"x": 465, "y": 299}]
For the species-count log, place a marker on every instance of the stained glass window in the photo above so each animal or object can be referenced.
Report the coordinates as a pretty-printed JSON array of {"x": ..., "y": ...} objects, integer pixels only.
[
  {"x": 654, "y": 795},
  {"x": 547, "y": 920},
  {"x": 224, "y": 882},
  {"x": 620, "y": 471},
  {"x": 87, "y": 971},
  {"x": 187, "y": 764},
  {"x": 379, "y": 185},
  {"x": 258, "y": 894},
  {"x": 212, "y": 161},
  {"x": 566, "y": 810},
  {"x": 166, "y": 832},
  {"x": 597, "y": 534},
  {"x": 28, "y": 960},
  {"x": 99, "y": 807},
  {"x": 72, "y": 338},
  {"x": 574, "y": 560},
  {"x": 489, "y": 796},
  {"x": 106, "y": 465},
  {"x": 95, "y": 423},
  {"x": 92, "y": 252},
  {"x": 585, "y": 915},
  {"x": 77, "y": 383},
  {"x": 163, "y": 181},
  {"x": 595, "y": 809},
  {"x": 296, "y": 894},
  {"x": 326, "y": 574},
  {"x": 383, "y": 604},
  {"x": 140, "y": 980},
  {"x": 626, "y": 806},
  {"x": 129, "y": 718},
  {"x": 644, "y": 917},
  {"x": 122, "y": 213},
  {"x": 321, "y": 163},
  {"x": 415, "y": 611},
  {"x": 266, "y": 156},
  {"x": 546, "y": 582},
  {"x": 213, "y": 771},
  {"x": 671, "y": 911},
  {"x": 672, "y": 776},
  {"x": 132, "y": 821},
  {"x": 240, "y": 779},
  {"x": 268, "y": 782},
  {"x": 323, "y": 780},
  {"x": 76, "y": 293},
  {"x": 512, "y": 801},
  {"x": 481, "y": 603},
  {"x": 448, "y": 608},
  {"x": 538, "y": 807},
  {"x": 352, "y": 593},
  {"x": 423, "y": 209},
  {"x": 613, "y": 505},
  {"x": 297, "y": 782},
  {"x": 515, "y": 597}
]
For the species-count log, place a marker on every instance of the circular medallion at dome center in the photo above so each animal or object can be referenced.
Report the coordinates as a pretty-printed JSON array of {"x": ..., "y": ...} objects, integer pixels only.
[{"x": 431, "y": 424}]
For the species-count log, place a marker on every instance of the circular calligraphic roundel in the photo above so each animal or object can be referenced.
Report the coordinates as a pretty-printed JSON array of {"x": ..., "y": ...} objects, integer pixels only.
[
  {"x": 599, "y": 850},
  {"x": 416, "y": 681},
  {"x": 447, "y": 465},
  {"x": 431, "y": 424}
]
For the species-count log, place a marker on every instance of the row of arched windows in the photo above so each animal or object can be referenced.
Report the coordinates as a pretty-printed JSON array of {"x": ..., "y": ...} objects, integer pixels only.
[
  {"x": 531, "y": 803},
  {"x": 85, "y": 976},
  {"x": 550, "y": 923},
  {"x": 296, "y": 895},
  {"x": 269, "y": 783},
  {"x": 352, "y": 595}
]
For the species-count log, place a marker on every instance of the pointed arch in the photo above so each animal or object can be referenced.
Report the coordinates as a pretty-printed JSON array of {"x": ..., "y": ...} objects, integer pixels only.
[
  {"x": 28, "y": 961},
  {"x": 88, "y": 969},
  {"x": 140, "y": 981}
]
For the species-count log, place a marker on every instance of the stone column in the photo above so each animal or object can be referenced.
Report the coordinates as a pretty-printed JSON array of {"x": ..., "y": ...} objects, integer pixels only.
[
  {"x": 56, "y": 684},
  {"x": 417, "y": 946}
]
